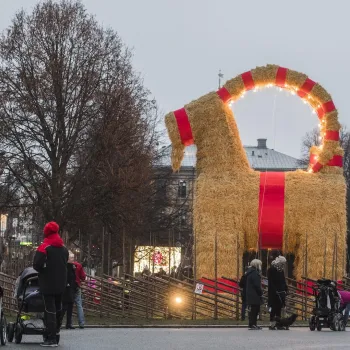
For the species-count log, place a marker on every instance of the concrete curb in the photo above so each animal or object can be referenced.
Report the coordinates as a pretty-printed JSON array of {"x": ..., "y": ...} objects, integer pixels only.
[{"x": 181, "y": 326}]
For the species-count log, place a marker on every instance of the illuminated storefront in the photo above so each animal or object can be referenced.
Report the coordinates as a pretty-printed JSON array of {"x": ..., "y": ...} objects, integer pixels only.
[{"x": 155, "y": 258}]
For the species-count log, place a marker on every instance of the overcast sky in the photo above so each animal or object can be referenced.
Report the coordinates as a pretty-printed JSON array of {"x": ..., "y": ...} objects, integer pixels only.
[{"x": 180, "y": 45}]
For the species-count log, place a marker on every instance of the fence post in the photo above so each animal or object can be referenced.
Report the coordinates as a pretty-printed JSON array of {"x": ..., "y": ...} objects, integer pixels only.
[
  {"x": 101, "y": 296},
  {"x": 216, "y": 276}
]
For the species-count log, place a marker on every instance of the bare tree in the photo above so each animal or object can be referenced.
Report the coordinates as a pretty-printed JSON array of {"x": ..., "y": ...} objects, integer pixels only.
[{"x": 64, "y": 80}]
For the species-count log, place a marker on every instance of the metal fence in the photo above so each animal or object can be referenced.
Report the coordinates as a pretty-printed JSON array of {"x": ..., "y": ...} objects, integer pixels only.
[{"x": 132, "y": 297}]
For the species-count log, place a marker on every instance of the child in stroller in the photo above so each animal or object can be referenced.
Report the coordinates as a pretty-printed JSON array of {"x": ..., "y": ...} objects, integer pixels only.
[
  {"x": 327, "y": 312},
  {"x": 30, "y": 316}
]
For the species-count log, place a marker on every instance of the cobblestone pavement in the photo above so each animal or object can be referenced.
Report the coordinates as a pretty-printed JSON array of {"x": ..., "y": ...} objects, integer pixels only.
[{"x": 194, "y": 339}]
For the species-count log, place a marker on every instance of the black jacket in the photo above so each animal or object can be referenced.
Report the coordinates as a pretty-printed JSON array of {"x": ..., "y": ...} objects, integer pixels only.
[
  {"x": 242, "y": 285},
  {"x": 253, "y": 287},
  {"x": 50, "y": 261},
  {"x": 69, "y": 293},
  {"x": 276, "y": 283}
]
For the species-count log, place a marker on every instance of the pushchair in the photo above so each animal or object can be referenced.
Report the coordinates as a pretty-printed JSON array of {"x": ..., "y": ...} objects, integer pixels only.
[
  {"x": 30, "y": 316},
  {"x": 327, "y": 312}
]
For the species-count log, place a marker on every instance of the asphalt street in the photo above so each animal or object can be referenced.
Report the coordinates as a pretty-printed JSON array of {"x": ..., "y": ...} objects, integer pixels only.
[{"x": 194, "y": 339}]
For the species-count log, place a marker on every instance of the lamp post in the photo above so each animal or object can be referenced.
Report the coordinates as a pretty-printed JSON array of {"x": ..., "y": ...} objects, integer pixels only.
[{"x": 220, "y": 75}]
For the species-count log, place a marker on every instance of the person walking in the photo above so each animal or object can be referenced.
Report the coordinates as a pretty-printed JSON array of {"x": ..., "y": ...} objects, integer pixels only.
[
  {"x": 277, "y": 289},
  {"x": 254, "y": 293},
  {"x": 50, "y": 261},
  {"x": 80, "y": 276},
  {"x": 69, "y": 293}
]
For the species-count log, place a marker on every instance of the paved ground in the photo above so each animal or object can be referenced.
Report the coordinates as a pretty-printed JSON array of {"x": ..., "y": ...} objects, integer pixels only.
[{"x": 195, "y": 339}]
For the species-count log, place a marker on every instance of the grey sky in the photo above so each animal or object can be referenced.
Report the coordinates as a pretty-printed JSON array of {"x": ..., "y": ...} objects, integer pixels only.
[{"x": 179, "y": 46}]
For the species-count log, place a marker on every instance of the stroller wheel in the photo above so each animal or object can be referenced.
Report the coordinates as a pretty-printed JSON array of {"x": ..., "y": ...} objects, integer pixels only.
[
  {"x": 312, "y": 323},
  {"x": 10, "y": 332},
  {"x": 3, "y": 330},
  {"x": 18, "y": 333}
]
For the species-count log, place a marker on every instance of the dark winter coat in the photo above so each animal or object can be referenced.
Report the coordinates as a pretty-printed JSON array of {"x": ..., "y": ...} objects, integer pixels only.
[
  {"x": 253, "y": 287},
  {"x": 69, "y": 293},
  {"x": 242, "y": 285},
  {"x": 50, "y": 261},
  {"x": 276, "y": 286}
]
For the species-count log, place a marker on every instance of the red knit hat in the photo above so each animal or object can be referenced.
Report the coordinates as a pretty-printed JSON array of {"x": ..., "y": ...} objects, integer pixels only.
[{"x": 51, "y": 228}]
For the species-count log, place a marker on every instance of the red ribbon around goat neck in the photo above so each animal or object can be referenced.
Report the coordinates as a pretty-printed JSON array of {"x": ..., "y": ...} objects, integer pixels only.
[
  {"x": 248, "y": 80},
  {"x": 271, "y": 210},
  {"x": 281, "y": 76},
  {"x": 184, "y": 127}
]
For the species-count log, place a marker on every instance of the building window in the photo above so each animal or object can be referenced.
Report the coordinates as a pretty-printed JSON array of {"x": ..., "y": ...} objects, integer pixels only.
[
  {"x": 161, "y": 187},
  {"x": 182, "y": 192}
]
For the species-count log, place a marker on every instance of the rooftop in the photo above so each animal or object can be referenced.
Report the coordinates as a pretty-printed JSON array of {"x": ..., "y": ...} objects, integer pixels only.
[{"x": 260, "y": 158}]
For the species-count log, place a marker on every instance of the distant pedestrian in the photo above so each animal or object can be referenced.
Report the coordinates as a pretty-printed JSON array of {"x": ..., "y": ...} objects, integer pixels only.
[
  {"x": 277, "y": 289},
  {"x": 69, "y": 294},
  {"x": 80, "y": 276},
  {"x": 345, "y": 304},
  {"x": 254, "y": 293}
]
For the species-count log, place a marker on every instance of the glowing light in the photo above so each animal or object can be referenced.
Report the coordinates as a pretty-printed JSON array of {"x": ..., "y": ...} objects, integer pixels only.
[
  {"x": 280, "y": 89},
  {"x": 292, "y": 92},
  {"x": 310, "y": 171},
  {"x": 319, "y": 125},
  {"x": 313, "y": 111},
  {"x": 269, "y": 85},
  {"x": 305, "y": 101},
  {"x": 178, "y": 300}
]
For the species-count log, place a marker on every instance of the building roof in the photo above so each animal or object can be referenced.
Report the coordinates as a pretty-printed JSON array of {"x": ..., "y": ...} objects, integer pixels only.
[{"x": 259, "y": 157}]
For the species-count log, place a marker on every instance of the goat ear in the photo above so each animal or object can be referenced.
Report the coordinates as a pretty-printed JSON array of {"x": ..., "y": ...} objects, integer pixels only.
[{"x": 178, "y": 147}]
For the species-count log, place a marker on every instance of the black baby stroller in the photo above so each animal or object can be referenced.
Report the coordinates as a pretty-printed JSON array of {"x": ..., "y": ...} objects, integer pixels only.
[
  {"x": 327, "y": 312},
  {"x": 30, "y": 316}
]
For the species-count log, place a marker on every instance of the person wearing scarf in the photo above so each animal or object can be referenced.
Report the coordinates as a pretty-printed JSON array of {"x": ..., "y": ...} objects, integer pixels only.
[
  {"x": 277, "y": 289},
  {"x": 50, "y": 261}
]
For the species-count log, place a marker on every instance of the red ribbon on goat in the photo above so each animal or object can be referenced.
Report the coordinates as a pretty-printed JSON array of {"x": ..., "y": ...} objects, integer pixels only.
[
  {"x": 332, "y": 135},
  {"x": 306, "y": 88},
  {"x": 248, "y": 80},
  {"x": 184, "y": 127},
  {"x": 271, "y": 210},
  {"x": 336, "y": 161},
  {"x": 281, "y": 76},
  {"x": 224, "y": 94}
]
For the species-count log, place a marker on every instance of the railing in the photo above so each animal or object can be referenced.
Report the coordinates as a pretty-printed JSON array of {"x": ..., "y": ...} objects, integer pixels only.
[{"x": 163, "y": 298}]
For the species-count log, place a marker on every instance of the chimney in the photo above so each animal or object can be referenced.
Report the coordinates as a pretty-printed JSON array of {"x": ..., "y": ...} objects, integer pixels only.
[{"x": 262, "y": 143}]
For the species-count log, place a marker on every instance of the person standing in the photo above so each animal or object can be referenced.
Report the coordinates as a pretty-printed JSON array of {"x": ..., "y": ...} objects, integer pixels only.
[
  {"x": 254, "y": 293},
  {"x": 277, "y": 289},
  {"x": 80, "y": 276},
  {"x": 50, "y": 261},
  {"x": 69, "y": 293},
  {"x": 345, "y": 304}
]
